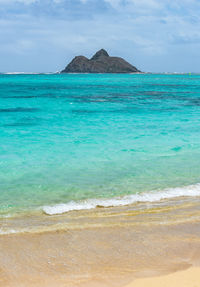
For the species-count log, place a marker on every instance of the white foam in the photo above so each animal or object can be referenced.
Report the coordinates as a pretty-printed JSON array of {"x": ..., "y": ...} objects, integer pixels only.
[
  {"x": 9, "y": 231},
  {"x": 152, "y": 196}
]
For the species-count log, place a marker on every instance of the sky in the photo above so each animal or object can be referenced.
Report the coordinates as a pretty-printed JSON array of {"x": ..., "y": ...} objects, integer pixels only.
[{"x": 153, "y": 35}]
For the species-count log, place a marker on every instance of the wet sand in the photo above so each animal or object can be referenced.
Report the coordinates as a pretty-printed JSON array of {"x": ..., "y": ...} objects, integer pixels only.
[{"x": 101, "y": 247}]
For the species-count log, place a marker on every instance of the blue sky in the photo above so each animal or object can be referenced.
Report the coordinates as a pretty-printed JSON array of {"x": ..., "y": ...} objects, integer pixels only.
[{"x": 154, "y": 35}]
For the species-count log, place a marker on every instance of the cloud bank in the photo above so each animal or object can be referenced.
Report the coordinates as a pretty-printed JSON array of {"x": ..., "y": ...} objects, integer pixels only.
[{"x": 43, "y": 35}]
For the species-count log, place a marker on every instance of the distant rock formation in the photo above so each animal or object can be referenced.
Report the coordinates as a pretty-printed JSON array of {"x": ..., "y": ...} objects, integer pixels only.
[{"x": 101, "y": 62}]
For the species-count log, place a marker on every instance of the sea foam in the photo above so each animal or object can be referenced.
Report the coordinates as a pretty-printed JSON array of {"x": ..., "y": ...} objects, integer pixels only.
[{"x": 152, "y": 196}]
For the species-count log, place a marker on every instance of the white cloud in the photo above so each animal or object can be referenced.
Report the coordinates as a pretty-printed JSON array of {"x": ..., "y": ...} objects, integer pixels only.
[
  {"x": 149, "y": 33},
  {"x": 27, "y": 2},
  {"x": 9, "y": 2}
]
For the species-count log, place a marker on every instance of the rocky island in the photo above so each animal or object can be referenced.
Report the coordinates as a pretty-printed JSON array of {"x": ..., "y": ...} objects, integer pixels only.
[{"x": 101, "y": 62}]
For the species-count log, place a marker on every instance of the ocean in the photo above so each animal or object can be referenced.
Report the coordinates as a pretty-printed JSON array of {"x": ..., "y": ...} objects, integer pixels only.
[{"x": 80, "y": 141}]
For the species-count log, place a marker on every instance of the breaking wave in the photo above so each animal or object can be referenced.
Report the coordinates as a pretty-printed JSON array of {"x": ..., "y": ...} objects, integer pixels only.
[{"x": 152, "y": 196}]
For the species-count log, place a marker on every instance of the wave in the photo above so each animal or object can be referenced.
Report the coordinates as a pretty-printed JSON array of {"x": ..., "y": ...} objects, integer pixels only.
[{"x": 152, "y": 196}]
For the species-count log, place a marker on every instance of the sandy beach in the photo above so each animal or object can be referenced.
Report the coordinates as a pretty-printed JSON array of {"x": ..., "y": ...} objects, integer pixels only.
[
  {"x": 104, "y": 247},
  {"x": 187, "y": 278}
]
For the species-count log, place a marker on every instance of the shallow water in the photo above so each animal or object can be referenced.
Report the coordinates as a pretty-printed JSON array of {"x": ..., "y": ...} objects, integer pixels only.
[{"x": 70, "y": 138}]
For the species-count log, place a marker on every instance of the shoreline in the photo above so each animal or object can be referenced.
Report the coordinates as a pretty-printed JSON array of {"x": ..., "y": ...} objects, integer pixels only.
[
  {"x": 180, "y": 209},
  {"x": 102, "y": 247}
]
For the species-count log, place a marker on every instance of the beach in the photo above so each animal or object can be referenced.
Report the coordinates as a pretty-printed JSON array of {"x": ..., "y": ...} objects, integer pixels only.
[
  {"x": 106, "y": 247},
  {"x": 187, "y": 278}
]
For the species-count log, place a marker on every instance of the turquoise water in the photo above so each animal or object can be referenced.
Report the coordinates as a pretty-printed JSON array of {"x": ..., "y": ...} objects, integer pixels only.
[{"x": 69, "y": 137}]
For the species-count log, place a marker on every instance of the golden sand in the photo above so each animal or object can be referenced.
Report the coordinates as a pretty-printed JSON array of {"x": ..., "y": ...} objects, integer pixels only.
[
  {"x": 186, "y": 278},
  {"x": 103, "y": 247}
]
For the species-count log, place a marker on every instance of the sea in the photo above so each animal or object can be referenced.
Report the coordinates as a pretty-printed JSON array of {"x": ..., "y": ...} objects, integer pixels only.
[{"x": 83, "y": 141}]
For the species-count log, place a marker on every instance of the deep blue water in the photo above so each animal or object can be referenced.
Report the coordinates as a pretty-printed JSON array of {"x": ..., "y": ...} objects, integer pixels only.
[{"x": 77, "y": 137}]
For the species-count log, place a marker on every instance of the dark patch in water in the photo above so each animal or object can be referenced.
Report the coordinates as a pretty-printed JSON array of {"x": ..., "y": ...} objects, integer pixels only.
[
  {"x": 122, "y": 110},
  {"x": 170, "y": 85},
  {"x": 178, "y": 148},
  {"x": 77, "y": 111},
  {"x": 129, "y": 150},
  {"x": 20, "y": 97},
  {"x": 142, "y": 107},
  {"x": 18, "y": 110},
  {"x": 165, "y": 109},
  {"x": 20, "y": 125},
  {"x": 23, "y": 122},
  {"x": 33, "y": 96},
  {"x": 193, "y": 102}
]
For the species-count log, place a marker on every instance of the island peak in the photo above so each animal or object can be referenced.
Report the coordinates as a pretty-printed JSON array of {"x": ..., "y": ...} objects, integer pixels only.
[
  {"x": 101, "y": 62},
  {"x": 99, "y": 54}
]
